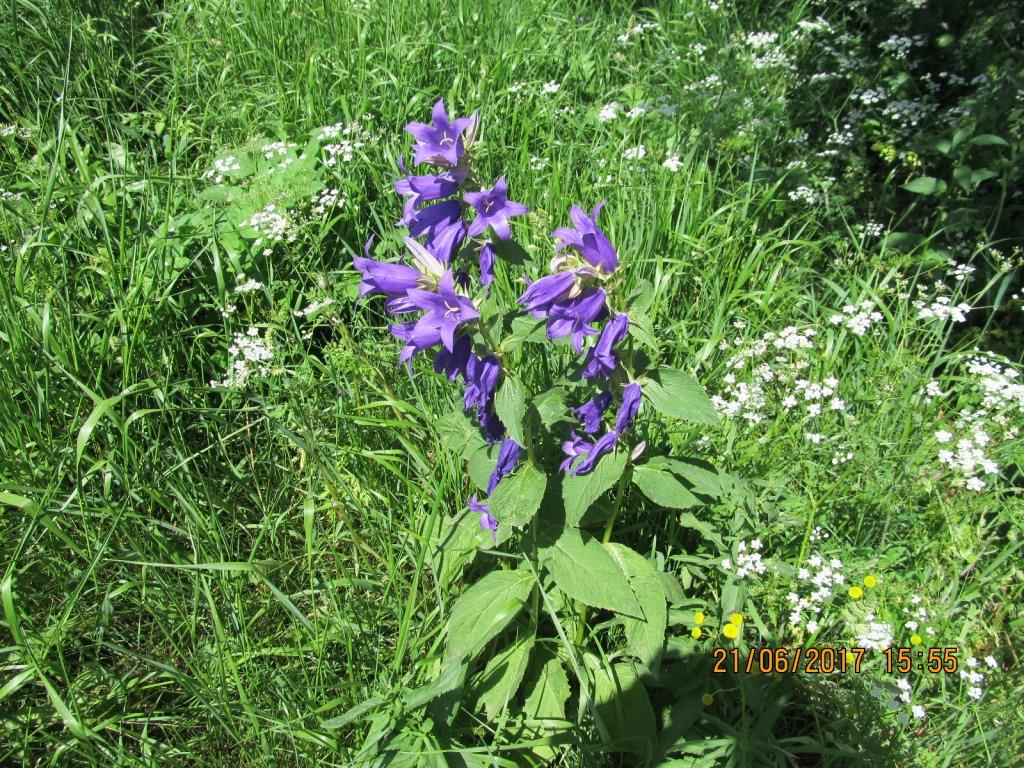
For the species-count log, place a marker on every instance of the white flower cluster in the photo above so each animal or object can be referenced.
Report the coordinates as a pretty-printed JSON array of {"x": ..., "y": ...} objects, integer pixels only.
[
  {"x": 805, "y": 194},
  {"x": 711, "y": 81},
  {"x": 975, "y": 677},
  {"x": 250, "y": 358},
  {"x": 356, "y": 137},
  {"x": 635, "y": 153},
  {"x": 858, "y": 318},
  {"x": 247, "y": 286},
  {"x": 870, "y": 95},
  {"x": 313, "y": 308},
  {"x": 767, "y": 362},
  {"x": 875, "y": 635},
  {"x": 900, "y": 45},
  {"x": 748, "y": 559},
  {"x": 609, "y": 111},
  {"x": 221, "y": 167},
  {"x": 274, "y": 226},
  {"x": 760, "y": 40},
  {"x": 637, "y": 30},
  {"x": 960, "y": 272},
  {"x": 673, "y": 163},
  {"x": 918, "y": 617},
  {"x": 872, "y": 229},
  {"x": 943, "y": 308},
  {"x": 550, "y": 87},
  {"x": 277, "y": 149},
  {"x": 818, "y": 583},
  {"x": 1002, "y": 399},
  {"x": 326, "y": 200}
]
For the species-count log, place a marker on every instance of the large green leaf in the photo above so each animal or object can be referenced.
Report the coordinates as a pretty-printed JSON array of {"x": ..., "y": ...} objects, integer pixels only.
[
  {"x": 926, "y": 185},
  {"x": 503, "y": 674},
  {"x": 584, "y": 570},
  {"x": 660, "y": 486},
  {"x": 517, "y": 498},
  {"x": 486, "y": 608},
  {"x": 549, "y": 688},
  {"x": 623, "y": 705},
  {"x": 551, "y": 406},
  {"x": 677, "y": 394},
  {"x": 458, "y": 434},
  {"x": 580, "y": 491},
  {"x": 645, "y": 636},
  {"x": 480, "y": 464},
  {"x": 510, "y": 405}
]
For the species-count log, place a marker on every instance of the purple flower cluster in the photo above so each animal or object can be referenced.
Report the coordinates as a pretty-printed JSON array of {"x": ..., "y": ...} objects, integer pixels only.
[
  {"x": 435, "y": 287},
  {"x": 572, "y": 300}
]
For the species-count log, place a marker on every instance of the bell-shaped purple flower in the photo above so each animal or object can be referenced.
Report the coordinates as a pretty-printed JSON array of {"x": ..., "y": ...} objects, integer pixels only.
[
  {"x": 487, "y": 521},
  {"x": 508, "y": 457},
  {"x": 573, "y": 448},
  {"x": 481, "y": 377},
  {"x": 445, "y": 309},
  {"x": 541, "y": 294},
  {"x": 575, "y": 315},
  {"x": 493, "y": 209},
  {"x": 589, "y": 241},
  {"x": 592, "y": 411},
  {"x": 487, "y": 256},
  {"x": 421, "y": 189},
  {"x": 601, "y": 360},
  {"x": 418, "y": 337},
  {"x": 440, "y": 143},
  {"x": 604, "y": 444},
  {"x": 631, "y": 397},
  {"x": 453, "y": 362}
]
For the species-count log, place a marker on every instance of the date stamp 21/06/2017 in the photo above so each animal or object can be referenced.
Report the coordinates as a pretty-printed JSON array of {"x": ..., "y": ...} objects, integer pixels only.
[{"x": 828, "y": 660}]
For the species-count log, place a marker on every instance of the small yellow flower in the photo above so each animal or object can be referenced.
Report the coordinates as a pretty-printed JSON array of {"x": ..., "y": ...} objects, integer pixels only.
[
  {"x": 707, "y": 699},
  {"x": 856, "y": 593},
  {"x": 915, "y": 639},
  {"x": 732, "y": 631},
  {"x": 696, "y": 633},
  {"x": 850, "y": 657},
  {"x": 698, "y": 617},
  {"x": 870, "y": 580},
  {"x": 736, "y": 618}
]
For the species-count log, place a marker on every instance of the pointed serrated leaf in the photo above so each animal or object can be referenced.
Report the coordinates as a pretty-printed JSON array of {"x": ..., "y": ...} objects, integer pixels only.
[
  {"x": 584, "y": 570},
  {"x": 580, "y": 491},
  {"x": 503, "y": 674},
  {"x": 674, "y": 393},
  {"x": 486, "y": 608},
  {"x": 510, "y": 405},
  {"x": 517, "y": 498},
  {"x": 646, "y": 637}
]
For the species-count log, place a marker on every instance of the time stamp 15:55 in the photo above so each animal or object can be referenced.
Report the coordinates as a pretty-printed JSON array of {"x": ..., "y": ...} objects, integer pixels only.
[{"x": 827, "y": 660}]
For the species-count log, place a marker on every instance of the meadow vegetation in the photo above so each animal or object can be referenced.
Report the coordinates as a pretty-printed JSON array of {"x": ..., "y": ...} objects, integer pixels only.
[{"x": 236, "y": 530}]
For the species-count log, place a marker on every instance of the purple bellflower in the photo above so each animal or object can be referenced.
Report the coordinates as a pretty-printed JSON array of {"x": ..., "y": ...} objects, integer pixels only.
[
  {"x": 487, "y": 256},
  {"x": 592, "y": 411},
  {"x": 441, "y": 143},
  {"x": 601, "y": 360},
  {"x": 575, "y": 315},
  {"x": 446, "y": 311},
  {"x": 487, "y": 520},
  {"x": 508, "y": 457},
  {"x": 587, "y": 240},
  {"x": 493, "y": 209}
]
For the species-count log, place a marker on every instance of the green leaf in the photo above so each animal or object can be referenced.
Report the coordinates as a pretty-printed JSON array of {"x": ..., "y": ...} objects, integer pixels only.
[
  {"x": 551, "y": 406},
  {"x": 642, "y": 329},
  {"x": 584, "y": 570},
  {"x": 517, "y": 498},
  {"x": 451, "y": 677},
  {"x": 503, "y": 674},
  {"x": 525, "y": 328},
  {"x": 989, "y": 140},
  {"x": 486, "y": 608},
  {"x": 548, "y": 686},
  {"x": 689, "y": 520},
  {"x": 702, "y": 480},
  {"x": 962, "y": 174},
  {"x": 458, "y": 434},
  {"x": 580, "y": 491},
  {"x": 646, "y": 636},
  {"x": 623, "y": 705},
  {"x": 510, "y": 405},
  {"x": 481, "y": 464},
  {"x": 926, "y": 185},
  {"x": 661, "y": 487},
  {"x": 677, "y": 394}
]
